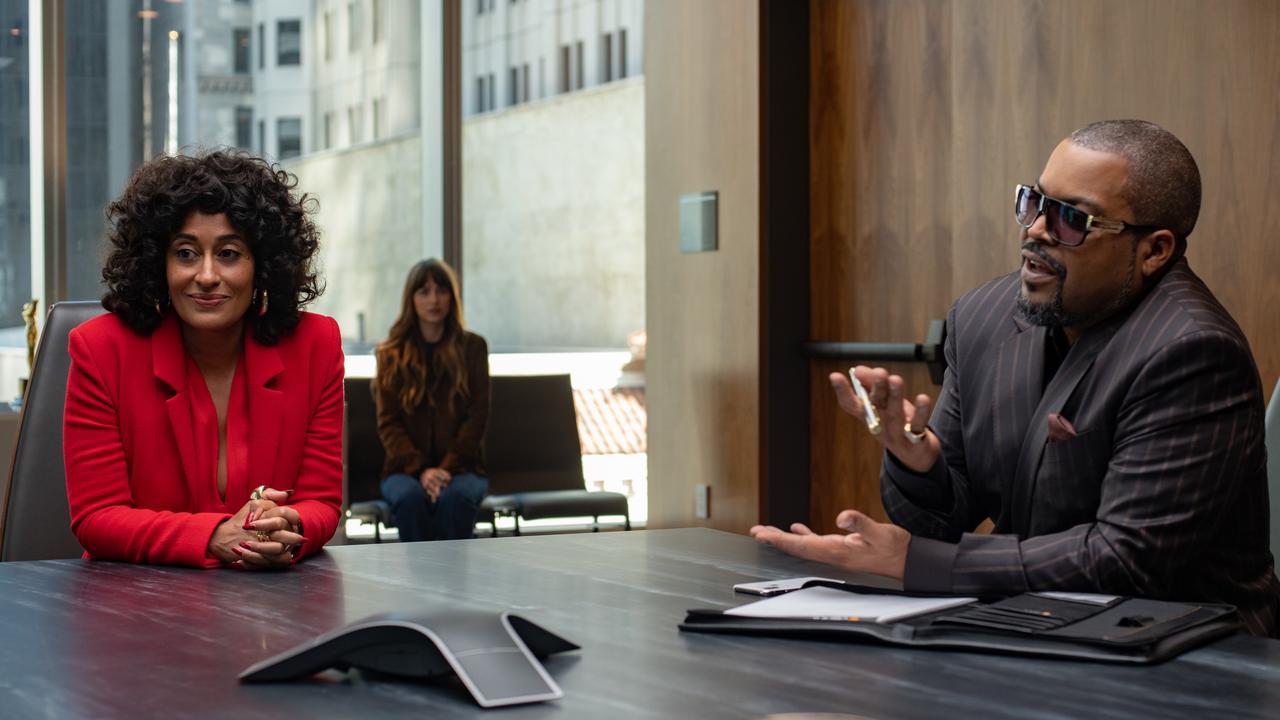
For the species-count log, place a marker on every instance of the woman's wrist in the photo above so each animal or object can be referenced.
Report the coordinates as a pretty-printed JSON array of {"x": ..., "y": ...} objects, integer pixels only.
[{"x": 223, "y": 537}]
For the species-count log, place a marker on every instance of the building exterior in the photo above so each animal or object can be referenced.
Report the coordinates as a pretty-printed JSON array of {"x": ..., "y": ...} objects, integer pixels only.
[
  {"x": 15, "y": 170},
  {"x": 553, "y": 177},
  {"x": 284, "y": 47},
  {"x": 365, "y": 77},
  {"x": 218, "y": 63},
  {"x": 301, "y": 80},
  {"x": 518, "y": 51}
]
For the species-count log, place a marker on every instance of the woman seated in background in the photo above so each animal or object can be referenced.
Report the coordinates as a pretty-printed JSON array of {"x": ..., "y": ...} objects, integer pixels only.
[
  {"x": 204, "y": 412},
  {"x": 432, "y": 395}
]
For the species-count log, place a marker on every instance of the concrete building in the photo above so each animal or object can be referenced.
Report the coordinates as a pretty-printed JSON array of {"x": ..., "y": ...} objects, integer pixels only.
[
  {"x": 365, "y": 76},
  {"x": 553, "y": 178},
  {"x": 553, "y": 220},
  {"x": 218, "y": 62},
  {"x": 284, "y": 47},
  {"x": 518, "y": 51}
]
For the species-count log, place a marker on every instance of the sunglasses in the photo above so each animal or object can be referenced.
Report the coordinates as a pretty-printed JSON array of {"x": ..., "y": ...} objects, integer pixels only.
[{"x": 1067, "y": 225}]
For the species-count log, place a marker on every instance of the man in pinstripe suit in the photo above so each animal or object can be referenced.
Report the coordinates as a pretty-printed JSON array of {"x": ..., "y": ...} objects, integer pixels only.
[{"x": 1100, "y": 406}]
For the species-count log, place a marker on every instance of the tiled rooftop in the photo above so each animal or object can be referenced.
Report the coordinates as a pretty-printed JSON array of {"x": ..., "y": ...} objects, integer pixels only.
[{"x": 611, "y": 421}]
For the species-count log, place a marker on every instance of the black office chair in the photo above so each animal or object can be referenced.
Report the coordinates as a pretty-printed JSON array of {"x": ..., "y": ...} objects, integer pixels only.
[
  {"x": 364, "y": 458},
  {"x": 35, "y": 522},
  {"x": 534, "y": 456}
]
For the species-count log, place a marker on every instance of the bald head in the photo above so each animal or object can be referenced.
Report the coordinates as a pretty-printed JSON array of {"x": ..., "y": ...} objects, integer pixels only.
[{"x": 1163, "y": 187}]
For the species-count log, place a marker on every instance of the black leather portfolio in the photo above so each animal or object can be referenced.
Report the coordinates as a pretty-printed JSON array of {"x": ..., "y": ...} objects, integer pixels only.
[{"x": 1123, "y": 630}]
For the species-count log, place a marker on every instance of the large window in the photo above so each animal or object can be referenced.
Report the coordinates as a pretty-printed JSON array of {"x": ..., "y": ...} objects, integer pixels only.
[
  {"x": 15, "y": 196},
  {"x": 244, "y": 127},
  {"x": 326, "y": 36},
  {"x": 240, "y": 46},
  {"x": 622, "y": 53},
  {"x": 289, "y": 42},
  {"x": 354, "y": 125},
  {"x": 606, "y": 58},
  {"x": 289, "y": 137},
  {"x": 553, "y": 275},
  {"x": 553, "y": 212},
  {"x": 353, "y": 27}
]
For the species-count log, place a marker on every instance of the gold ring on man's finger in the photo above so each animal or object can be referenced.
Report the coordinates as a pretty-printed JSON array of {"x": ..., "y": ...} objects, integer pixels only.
[
  {"x": 263, "y": 536},
  {"x": 915, "y": 438}
]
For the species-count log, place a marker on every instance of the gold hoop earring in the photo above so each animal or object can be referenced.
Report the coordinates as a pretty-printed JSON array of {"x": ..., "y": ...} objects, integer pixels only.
[{"x": 262, "y": 309}]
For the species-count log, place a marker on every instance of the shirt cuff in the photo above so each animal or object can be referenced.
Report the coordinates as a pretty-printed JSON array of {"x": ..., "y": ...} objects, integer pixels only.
[
  {"x": 931, "y": 491},
  {"x": 929, "y": 565}
]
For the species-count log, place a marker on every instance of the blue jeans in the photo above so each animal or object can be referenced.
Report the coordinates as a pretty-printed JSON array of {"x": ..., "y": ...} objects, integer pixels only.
[{"x": 451, "y": 517}]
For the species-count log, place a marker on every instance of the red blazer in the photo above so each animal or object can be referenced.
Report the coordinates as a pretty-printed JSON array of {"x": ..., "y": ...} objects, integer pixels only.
[{"x": 129, "y": 443}]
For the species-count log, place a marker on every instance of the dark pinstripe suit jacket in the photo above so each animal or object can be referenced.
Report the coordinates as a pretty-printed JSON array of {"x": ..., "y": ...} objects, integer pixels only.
[{"x": 1161, "y": 493}]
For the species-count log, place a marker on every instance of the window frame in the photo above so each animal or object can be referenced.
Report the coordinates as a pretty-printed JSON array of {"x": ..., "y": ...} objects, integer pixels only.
[
  {"x": 281, "y": 137},
  {"x": 283, "y": 60},
  {"x": 50, "y": 163}
]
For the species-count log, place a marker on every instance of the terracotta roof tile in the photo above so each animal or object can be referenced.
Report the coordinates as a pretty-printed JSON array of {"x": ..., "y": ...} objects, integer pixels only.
[{"x": 611, "y": 421}]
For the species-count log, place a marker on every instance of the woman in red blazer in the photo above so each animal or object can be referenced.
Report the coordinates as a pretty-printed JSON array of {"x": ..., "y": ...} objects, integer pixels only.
[{"x": 204, "y": 413}]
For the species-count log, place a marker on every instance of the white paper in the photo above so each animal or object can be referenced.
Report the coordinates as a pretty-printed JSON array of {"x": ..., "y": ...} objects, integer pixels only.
[
  {"x": 1091, "y": 598},
  {"x": 823, "y": 603}
]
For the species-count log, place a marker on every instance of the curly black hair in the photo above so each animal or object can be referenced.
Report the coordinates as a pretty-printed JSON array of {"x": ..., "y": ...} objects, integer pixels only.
[{"x": 258, "y": 200}]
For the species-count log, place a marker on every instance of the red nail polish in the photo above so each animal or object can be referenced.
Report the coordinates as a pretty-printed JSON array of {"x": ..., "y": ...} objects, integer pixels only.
[
  {"x": 238, "y": 564},
  {"x": 237, "y": 551},
  {"x": 289, "y": 491},
  {"x": 303, "y": 540},
  {"x": 245, "y": 544}
]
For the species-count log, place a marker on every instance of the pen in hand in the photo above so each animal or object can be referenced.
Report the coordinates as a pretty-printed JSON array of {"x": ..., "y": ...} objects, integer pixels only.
[{"x": 868, "y": 412}]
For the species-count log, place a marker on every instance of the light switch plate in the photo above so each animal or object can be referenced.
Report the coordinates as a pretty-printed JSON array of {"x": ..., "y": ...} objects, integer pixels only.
[{"x": 702, "y": 501}]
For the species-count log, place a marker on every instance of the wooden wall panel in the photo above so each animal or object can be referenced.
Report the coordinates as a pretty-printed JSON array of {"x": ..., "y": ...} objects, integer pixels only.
[
  {"x": 925, "y": 113},
  {"x": 703, "y": 362}
]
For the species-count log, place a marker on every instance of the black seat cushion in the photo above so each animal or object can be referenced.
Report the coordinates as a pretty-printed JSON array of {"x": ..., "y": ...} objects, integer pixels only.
[
  {"x": 372, "y": 511},
  {"x": 569, "y": 503}
]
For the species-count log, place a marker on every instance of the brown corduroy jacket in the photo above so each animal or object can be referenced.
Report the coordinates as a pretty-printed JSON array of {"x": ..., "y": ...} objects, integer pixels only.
[{"x": 433, "y": 435}]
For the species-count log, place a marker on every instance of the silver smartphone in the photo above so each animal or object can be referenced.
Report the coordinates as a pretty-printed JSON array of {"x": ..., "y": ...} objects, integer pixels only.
[{"x": 769, "y": 588}]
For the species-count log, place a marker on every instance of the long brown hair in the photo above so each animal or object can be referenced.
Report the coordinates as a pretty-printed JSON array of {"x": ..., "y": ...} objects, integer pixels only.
[{"x": 402, "y": 362}]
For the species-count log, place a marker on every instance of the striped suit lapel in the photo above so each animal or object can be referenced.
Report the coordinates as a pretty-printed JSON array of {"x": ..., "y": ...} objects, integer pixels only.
[
  {"x": 1074, "y": 367},
  {"x": 1016, "y": 390}
]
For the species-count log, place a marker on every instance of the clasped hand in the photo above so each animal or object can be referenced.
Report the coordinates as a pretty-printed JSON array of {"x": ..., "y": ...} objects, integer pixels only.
[
  {"x": 237, "y": 542},
  {"x": 433, "y": 481}
]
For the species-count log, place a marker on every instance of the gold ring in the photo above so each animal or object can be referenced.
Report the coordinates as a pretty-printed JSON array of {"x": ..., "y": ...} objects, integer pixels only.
[
  {"x": 915, "y": 437},
  {"x": 263, "y": 536},
  {"x": 257, "y": 493}
]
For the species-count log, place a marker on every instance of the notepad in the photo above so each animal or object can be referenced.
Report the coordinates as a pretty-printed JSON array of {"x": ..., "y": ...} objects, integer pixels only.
[
  {"x": 824, "y": 603},
  {"x": 1090, "y": 598}
]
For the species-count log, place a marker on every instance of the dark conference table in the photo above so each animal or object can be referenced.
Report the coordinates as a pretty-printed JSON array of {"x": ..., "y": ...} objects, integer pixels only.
[{"x": 96, "y": 639}]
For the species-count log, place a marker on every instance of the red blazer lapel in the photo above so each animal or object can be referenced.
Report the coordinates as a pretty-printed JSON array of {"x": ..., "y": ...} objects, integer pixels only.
[
  {"x": 266, "y": 410},
  {"x": 169, "y": 362}
]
